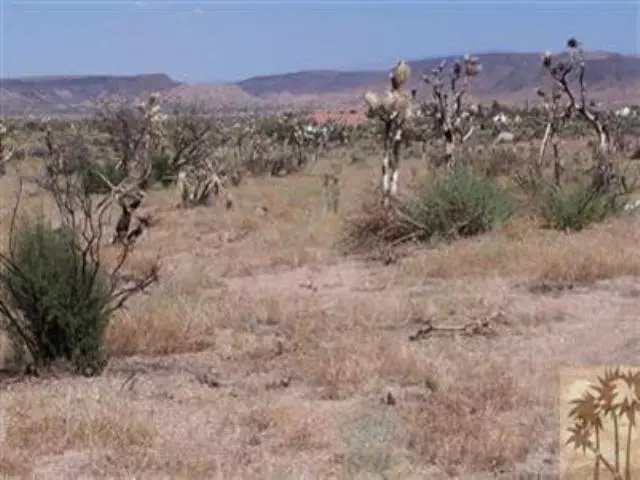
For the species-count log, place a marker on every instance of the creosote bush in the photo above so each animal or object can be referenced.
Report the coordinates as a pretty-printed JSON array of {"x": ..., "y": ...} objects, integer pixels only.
[
  {"x": 459, "y": 203},
  {"x": 55, "y": 300},
  {"x": 571, "y": 206}
]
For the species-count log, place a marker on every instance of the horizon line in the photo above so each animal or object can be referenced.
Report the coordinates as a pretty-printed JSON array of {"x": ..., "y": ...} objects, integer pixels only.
[{"x": 290, "y": 72}]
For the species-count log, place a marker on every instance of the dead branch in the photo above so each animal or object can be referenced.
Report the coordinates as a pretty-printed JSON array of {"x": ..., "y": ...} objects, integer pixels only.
[{"x": 481, "y": 327}]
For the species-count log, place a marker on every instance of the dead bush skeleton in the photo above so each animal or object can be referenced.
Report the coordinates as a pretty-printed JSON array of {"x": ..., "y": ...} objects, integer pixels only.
[{"x": 392, "y": 110}]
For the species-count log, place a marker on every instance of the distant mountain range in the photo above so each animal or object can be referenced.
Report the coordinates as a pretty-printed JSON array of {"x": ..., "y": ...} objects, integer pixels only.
[{"x": 507, "y": 77}]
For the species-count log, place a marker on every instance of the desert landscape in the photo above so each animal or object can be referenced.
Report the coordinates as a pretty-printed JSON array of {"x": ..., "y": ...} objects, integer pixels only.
[{"x": 200, "y": 289}]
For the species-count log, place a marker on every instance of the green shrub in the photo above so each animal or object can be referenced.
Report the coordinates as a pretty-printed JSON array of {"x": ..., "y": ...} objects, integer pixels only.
[
  {"x": 571, "y": 207},
  {"x": 458, "y": 203},
  {"x": 91, "y": 181},
  {"x": 55, "y": 300},
  {"x": 161, "y": 168}
]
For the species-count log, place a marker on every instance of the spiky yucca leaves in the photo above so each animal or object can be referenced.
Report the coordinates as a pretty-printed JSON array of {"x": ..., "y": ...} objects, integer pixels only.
[
  {"x": 396, "y": 100},
  {"x": 399, "y": 75}
]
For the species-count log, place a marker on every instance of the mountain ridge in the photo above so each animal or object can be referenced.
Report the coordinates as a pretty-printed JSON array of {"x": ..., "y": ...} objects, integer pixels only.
[{"x": 507, "y": 76}]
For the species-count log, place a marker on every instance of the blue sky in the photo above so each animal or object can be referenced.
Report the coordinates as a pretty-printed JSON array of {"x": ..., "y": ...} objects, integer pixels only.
[{"x": 231, "y": 40}]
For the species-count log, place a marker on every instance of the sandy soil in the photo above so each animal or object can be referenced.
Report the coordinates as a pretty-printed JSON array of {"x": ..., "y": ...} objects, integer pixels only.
[{"x": 264, "y": 354}]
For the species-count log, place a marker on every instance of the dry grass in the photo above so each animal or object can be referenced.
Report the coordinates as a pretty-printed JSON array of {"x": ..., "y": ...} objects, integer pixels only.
[
  {"x": 521, "y": 249},
  {"x": 264, "y": 354}
]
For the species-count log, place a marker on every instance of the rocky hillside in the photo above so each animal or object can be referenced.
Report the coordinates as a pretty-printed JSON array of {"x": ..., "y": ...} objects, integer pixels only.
[
  {"x": 64, "y": 95},
  {"x": 611, "y": 76},
  {"x": 508, "y": 77}
]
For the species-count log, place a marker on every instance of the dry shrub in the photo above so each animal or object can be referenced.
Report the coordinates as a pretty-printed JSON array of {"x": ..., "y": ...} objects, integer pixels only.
[
  {"x": 481, "y": 422},
  {"x": 181, "y": 316},
  {"x": 495, "y": 161},
  {"x": 150, "y": 333},
  {"x": 371, "y": 227},
  {"x": 522, "y": 251},
  {"x": 605, "y": 252},
  {"x": 174, "y": 463},
  {"x": 13, "y": 464},
  {"x": 238, "y": 322},
  {"x": 372, "y": 437},
  {"x": 292, "y": 425},
  {"x": 51, "y": 424},
  {"x": 454, "y": 204},
  {"x": 172, "y": 323},
  {"x": 341, "y": 366}
]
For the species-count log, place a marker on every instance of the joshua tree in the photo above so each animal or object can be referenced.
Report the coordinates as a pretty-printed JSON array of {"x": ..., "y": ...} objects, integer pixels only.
[
  {"x": 393, "y": 111},
  {"x": 452, "y": 120},
  {"x": 562, "y": 102}
]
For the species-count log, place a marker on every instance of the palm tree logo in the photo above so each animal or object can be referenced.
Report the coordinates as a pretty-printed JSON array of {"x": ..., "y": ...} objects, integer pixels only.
[{"x": 602, "y": 423}]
